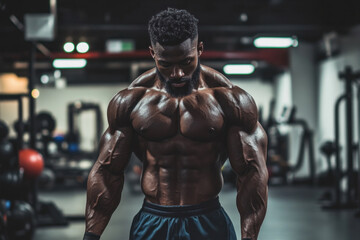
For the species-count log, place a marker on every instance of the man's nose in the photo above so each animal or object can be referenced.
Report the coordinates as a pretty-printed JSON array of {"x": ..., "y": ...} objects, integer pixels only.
[{"x": 177, "y": 73}]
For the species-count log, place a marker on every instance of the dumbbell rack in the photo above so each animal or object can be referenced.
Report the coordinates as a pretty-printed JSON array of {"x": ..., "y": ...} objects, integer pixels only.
[
  {"x": 47, "y": 213},
  {"x": 18, "y": 98}
]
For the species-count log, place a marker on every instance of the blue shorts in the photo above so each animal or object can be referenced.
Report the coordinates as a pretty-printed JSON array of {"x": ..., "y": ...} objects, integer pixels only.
[{"x": 207, "y": 220}]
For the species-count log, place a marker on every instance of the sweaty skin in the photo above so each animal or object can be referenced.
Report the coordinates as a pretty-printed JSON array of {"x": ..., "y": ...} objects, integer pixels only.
[{"x": 183, "y": 143}]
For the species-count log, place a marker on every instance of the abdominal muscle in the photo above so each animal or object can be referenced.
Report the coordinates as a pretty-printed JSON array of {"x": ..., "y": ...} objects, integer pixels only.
[{"x": 184, "y": 177}]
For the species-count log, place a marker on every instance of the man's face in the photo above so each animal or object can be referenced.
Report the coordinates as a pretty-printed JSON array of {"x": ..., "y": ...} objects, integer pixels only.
[{"x": 178, "y": 66}]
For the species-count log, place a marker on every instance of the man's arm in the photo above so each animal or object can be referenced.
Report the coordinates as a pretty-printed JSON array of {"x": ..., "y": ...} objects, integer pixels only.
[
  {"x": 106, "y": 179},
  {"x": 247, "y": 148},
  {"x": 247, "y": 154}
]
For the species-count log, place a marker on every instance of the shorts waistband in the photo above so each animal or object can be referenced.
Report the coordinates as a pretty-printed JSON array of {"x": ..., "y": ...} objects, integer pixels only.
[{"x": 182, "y": 210}]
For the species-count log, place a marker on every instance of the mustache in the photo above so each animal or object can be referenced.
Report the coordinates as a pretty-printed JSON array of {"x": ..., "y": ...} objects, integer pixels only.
[
  {"x": 180, "y": 80},
  {"x": 190, "y": 83}
]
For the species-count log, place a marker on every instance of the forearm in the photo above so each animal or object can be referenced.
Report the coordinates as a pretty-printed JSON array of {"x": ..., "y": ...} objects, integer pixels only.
[
  {"x": 252, "y": 201},
  {"x": 103, "y": 197}
]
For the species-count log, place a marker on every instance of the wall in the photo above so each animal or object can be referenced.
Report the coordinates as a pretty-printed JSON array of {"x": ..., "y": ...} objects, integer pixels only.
[
  {"x": 10, "y": 83},
  {"x": 283, "y": 93},
  {"x": 304, "y": 87},
  {"x": 261, "y": 91},
  {"x": 56, "y": 101},
  {"x": 330, "y": 88},
  {"x": 304, "y": 82}
]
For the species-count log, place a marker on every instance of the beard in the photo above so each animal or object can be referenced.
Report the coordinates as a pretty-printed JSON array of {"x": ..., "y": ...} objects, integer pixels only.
[{"x": 190, "y": 83}]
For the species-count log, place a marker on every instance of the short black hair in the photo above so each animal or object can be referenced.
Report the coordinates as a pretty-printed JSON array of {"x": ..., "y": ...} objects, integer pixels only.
[{"x": 172, "y": 27}]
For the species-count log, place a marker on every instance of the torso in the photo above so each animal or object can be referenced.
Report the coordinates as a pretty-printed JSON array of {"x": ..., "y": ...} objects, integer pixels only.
[{"x": 181, "y": 142}]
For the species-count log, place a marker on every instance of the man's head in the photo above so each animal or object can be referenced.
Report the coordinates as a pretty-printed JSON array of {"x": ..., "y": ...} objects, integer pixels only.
[
  {"x": 172, "y": 26},
  {"x": 175, "y": 49}
]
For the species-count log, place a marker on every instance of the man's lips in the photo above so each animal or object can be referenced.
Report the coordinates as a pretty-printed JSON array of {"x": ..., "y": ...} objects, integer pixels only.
[{"x": 179, "y": 84}]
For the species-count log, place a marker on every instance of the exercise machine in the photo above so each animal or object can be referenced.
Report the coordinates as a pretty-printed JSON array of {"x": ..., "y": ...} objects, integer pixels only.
[
  {"x": 278, "y": 149},
  {"x": 351, "y": 199},
  {"x": 70, "y": 163}
]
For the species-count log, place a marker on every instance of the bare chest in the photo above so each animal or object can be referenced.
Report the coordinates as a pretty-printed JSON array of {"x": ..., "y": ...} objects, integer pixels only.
[{"x": 198, "y": 116}]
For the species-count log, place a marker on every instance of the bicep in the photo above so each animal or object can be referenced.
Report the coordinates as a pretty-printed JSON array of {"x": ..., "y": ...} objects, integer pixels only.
[
  {"x": 247, "y": 149},
  {"x": 116, "y": 143},
  {"x": 115, "y": 149}
]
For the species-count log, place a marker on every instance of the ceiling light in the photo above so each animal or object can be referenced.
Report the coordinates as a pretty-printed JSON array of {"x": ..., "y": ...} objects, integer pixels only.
[
  {"x": 239, "y": 69},
  {"x": 44, "y": 79},
  {"x": 243, "y": 17},
  {"x": 69, "y": 47},
  {"x": 275, "y": 42},
  {"x": 295, "y": 43},
  {"x": 82, "y": 47},
  {"x": 57, "y": 74},
  {"x": 35, "y": 93},
  {"x": 119, "y": 45},
  {"x": 69, "y": 63}
]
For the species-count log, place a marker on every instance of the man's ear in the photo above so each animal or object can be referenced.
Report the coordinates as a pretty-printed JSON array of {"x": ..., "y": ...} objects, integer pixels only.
[
  {"x": 152, "y": 52},
  {"x": 200, "y": 48}
]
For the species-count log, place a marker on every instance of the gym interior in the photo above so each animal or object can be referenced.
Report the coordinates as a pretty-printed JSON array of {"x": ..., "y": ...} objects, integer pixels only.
[{"x": 61, "y": 62}]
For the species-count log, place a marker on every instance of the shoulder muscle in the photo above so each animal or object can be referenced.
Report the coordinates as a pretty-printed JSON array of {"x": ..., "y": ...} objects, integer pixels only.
[
  {"x": 239, "y": 107},
  {"x": 121, "y": 105},
  {"x": 146, "y": 79},
  {"x": 214, "y": 78}
]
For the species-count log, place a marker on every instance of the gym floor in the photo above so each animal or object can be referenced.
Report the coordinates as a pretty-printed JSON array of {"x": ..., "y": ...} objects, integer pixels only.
[{"x": 293, "y": 214}]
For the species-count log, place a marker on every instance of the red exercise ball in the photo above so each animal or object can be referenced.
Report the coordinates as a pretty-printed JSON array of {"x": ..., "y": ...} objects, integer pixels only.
[{"x": 32, "y": 162}]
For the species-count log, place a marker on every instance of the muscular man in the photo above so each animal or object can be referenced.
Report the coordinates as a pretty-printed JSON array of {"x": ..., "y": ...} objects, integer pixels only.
[{"x": 182, "y": 120}]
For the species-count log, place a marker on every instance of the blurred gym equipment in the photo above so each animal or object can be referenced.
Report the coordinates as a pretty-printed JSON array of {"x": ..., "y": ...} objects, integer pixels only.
[
  {"x": 16, "y": 213},
  {"x": 3, "y": 221},
  {"x": 21, "y": 221},
  {"x": 11, "y": 177},
  {"x": 351, "y": 198},
  {"x": 65, "y": 162},
  {"x": 74, "y": 110},
  {"x": 23, "y": 212},
  {"x": 32, "y": 162},
  {"x": 327, "y": 178},
  {"x": 44, "y": 126},
  {"x": 69, "y": 163},
  {"x": 278, "y": 149}
]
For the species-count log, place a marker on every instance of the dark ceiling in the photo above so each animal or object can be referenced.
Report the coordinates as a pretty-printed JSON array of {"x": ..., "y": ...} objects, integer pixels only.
[{"x": 222, "y": 25}]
